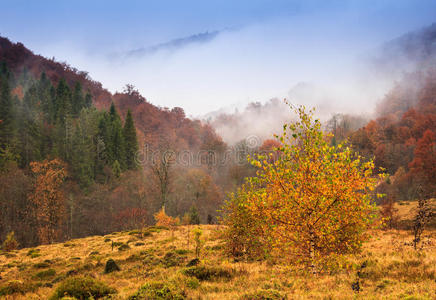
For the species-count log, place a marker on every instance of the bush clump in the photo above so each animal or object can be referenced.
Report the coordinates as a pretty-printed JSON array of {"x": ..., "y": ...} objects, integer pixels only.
[
  {"x": 193, "y": 262},
  {"x": 33, "y": 253},
  {"x": 111, "y": 266},
  {"x": 158, "y": 291},
  {"x": 10, "y": 242},
  {"x": 123, "y": 247},
  {"x": 45, "y": 274},
  {"x": 192, "y": 283},
  {"x": 209, "y": 273},
  {"x": 263, "y": 295},
  {"x": 82, "y": 288},
  {"x": 41, "y": 265},
  {"x": 16, "y": 286},
  {"x": 172, "y": 259}
]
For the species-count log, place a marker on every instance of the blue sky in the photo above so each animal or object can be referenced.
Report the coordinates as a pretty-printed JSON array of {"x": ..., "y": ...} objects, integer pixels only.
[{"x": 264, "y": 49}]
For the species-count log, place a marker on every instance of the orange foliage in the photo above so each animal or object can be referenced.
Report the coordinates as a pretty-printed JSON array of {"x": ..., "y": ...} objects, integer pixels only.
[
  {"x": 313, "y": 201},
  {"x": 48, "y": 198},
  {"x": 162, "y": 219}
]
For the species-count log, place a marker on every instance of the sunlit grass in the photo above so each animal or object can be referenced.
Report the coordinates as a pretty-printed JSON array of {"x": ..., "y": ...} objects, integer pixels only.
[{"x": 388, "y": 267}]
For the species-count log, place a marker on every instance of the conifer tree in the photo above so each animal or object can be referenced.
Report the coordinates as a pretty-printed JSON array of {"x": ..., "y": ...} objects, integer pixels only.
[
  {"x": 116, "y": 168},
  {"x": 118, "y": 145},
  {"x": 194, "y": 218},
  {"x": 81, "y": 157},
  {"x": 131, "y": 142},
  {"x": 88, "y": 100},
  {"x": 7, "y": 128},
  {"x": 63, "y": 101},
  {"x": 78, "y": 101}
]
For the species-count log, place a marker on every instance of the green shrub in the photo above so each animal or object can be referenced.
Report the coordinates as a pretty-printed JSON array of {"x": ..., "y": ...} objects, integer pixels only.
[
  {"x": 181, "y": 251},
  {"x": 172, "y": 259},
  {"x": 156, "y": 229},
  {"x": 10, "y": 242},
  {"x": 15, "y": 286},
  {"x": 209, "y": 273},
  {"x": 82, "y": 288},
  {"x": 146, "y": 234},
  {"x": 123, "y": 247},
  {"x": 263, "y": 295},
  {"x": 139, "y": 244},
  {"x": 111, "y": 266},
  {"x": 32, "y": 251},
  {"x": 158, "y": 291},
  {"x": 192, "y": 283},
  {"x": 217, "y": 247},
  {"x": 151, "y": 260},
  {"x": 45, "y": 274},
  {"x": 41, "y": 265}
]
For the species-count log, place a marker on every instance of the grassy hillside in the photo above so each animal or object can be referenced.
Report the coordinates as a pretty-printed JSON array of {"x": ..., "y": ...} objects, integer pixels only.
[{"x": 387, "y": 267}]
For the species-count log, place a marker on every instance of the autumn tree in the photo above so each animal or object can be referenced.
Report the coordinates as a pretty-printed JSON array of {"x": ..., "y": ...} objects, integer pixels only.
[
  {"x": 424, "y": 214},
  {"x": 161, "y": 161},
  {"x": 48, "y": 198},
  {"x": 314, "y": 200},
  {"x": 423, "y": 166},
  {"x": 131, "y": 218},
  {"x": 162, "y": 219}
]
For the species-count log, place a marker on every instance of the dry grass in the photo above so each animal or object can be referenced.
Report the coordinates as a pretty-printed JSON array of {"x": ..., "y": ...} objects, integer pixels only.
[{"x": 392, "y": 269}]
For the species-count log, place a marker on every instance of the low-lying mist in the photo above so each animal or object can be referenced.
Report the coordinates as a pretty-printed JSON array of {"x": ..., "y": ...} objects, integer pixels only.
[{"x": 345, "y": 66}]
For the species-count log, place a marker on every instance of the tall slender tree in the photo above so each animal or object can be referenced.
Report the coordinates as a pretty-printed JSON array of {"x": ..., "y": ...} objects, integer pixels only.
[
  {"x": 131, "y": 141},
  {"x": 78, "y": 101},
  {"x": 7, "y": 128}
]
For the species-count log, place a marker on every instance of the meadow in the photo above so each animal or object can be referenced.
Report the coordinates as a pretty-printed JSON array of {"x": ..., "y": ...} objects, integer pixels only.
[{"x": 159, "y": 262}]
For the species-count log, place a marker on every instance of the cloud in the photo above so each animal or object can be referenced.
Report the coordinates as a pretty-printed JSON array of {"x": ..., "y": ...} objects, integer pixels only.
[
  {"x": 315, "y": 57},
  {"x": 174, "y": 45}
]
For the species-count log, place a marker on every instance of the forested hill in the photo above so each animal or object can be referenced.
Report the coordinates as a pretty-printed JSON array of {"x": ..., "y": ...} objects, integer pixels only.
[
  {"x": 69, "y": 154},
  {"x": 148, "y": 117},
  {"x": 403, "y": 137}
]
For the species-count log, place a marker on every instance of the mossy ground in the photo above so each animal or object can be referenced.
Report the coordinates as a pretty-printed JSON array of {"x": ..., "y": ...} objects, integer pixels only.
[{"x": 392, "y": 268}]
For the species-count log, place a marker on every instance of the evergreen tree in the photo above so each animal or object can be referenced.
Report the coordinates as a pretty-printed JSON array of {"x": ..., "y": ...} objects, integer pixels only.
[
  {"x": 131, "y": 141},
  {"x": 88, "y": 100},
  {"x": 7, "y": 124},
  {"x": 82, "y": 157},
  {"x": 45, "y": 95},
  {"x": 104, "y": 136},
  {"x": 116, "y": 168},
  {"x": 194, "y": 218},
  {"x": 113, "y": 113},
  {"x": 118, "y": 145},
  {"x": 63, "y": 101},
  {"x": 30, "y": 130},
  {"x": 78, "y": 99}
]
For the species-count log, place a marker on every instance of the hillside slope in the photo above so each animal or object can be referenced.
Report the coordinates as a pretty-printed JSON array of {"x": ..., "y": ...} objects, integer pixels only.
[
  {"x": 148, "y": 117},
  {"x": 387, "y": 267},
  {"x": 113, "y": 163}
]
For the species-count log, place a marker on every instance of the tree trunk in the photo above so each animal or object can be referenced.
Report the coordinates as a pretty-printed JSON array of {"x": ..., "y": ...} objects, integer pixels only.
[{"x": 312, "y": 252}]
